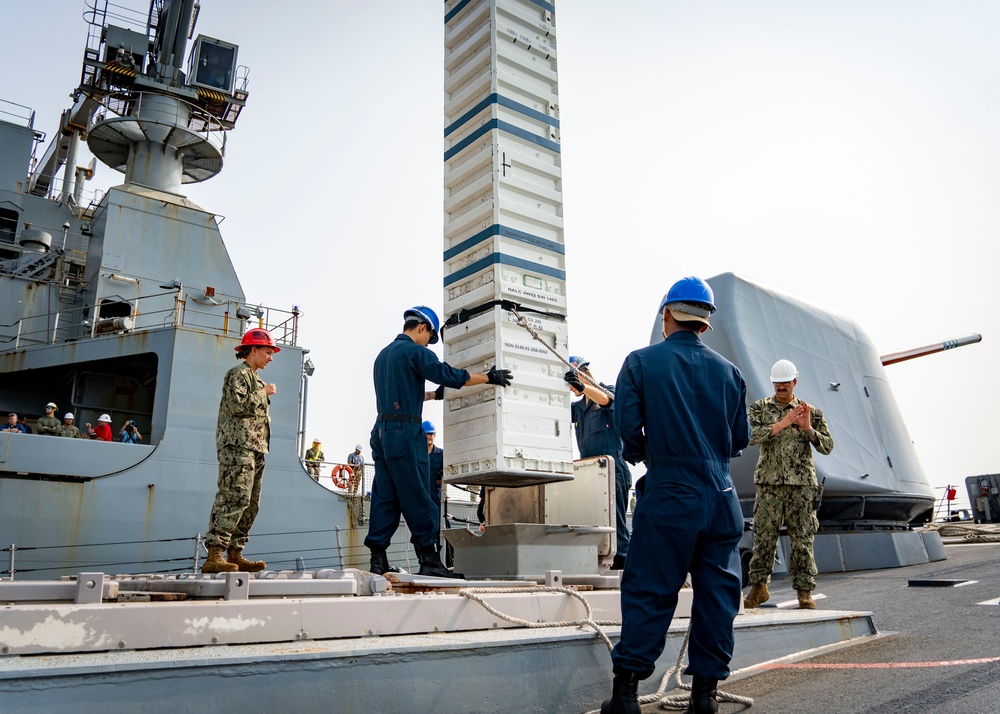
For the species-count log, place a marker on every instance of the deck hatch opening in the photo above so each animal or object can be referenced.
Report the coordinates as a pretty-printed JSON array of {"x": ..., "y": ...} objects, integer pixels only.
[{"x": 938, "y": 583}]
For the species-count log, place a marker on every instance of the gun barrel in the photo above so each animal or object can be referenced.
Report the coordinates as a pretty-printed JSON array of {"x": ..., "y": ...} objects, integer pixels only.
[{"x": 913, "y": 353}]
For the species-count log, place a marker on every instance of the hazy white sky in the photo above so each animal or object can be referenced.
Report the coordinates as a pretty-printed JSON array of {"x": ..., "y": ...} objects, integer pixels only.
[{"x": 846, "y": 152}]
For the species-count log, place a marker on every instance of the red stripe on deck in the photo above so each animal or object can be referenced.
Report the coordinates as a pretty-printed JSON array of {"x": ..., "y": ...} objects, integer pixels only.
[{"x": 884, "y": 665}]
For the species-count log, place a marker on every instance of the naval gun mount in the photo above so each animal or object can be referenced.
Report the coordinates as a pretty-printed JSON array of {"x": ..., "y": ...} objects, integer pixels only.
[{"x": 875, "y": 489}]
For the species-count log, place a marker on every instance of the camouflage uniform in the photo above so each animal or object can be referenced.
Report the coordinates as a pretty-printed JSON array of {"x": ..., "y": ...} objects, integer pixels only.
[
  {"x": 69, "y": 431},
  {"x": 786, "y": 490},
  {"x": 314, "y": 455},
  {"x": 241, "y": 438}
]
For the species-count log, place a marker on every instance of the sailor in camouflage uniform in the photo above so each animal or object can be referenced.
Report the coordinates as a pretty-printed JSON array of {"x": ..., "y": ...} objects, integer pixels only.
[
  {"x": 67, "y": 429},
  {"x": 787, "y": 429},
  {"x": 242, "y": 437}
]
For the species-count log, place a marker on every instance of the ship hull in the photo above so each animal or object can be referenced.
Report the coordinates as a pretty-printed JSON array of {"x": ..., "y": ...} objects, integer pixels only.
[{"x": 73, "y": 504}]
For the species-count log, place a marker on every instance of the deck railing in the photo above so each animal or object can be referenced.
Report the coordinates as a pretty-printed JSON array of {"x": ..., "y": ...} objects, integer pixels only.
[{"x": 216, "y": 314}]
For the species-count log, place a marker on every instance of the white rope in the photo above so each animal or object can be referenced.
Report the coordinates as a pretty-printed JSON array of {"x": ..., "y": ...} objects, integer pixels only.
[
  {"x": 676, "y": 701},
  {"x": 523, "y": 322},
  {"x": 589, "y": 621},
  {"x": 969, "y": 532},
  {"x": 679, "y": 702}
]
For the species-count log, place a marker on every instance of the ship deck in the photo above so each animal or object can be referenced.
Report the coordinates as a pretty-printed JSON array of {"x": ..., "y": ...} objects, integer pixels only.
[
  {"x": 937, "y": 650},
  {"x": 913, "y": 639},
  {"x": 261, "y": 644}
]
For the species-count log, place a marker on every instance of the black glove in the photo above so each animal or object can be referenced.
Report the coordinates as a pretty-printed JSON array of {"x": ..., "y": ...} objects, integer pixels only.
[
  {"x": 573, "y": 379},
  {"x": 439, "y": 393},
  {"x": 500, "y": 377}
]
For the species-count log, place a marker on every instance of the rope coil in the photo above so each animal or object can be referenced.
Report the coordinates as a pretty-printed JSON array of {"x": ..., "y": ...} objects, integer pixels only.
[{"x": 968, "y": 532}]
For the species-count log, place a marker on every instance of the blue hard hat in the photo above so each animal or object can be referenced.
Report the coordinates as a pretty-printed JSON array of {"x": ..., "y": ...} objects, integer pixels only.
[
  {"x": 429, "y": 427},
  {"x": 690, "y": 290},
  {"x": 428, "y": 317},
  {"x": 578, "y": 362}
]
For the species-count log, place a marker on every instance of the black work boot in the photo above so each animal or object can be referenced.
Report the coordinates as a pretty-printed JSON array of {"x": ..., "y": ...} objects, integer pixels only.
[
  {"x": 703, "y": 696},
  {"x": 624, "y": 695},
  {"x": 430, "y": 563},
  {"x": 380, "y": 562}
]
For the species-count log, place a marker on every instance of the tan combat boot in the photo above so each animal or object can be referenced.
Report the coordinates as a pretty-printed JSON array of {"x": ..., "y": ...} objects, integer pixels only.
[
  {"x": 247, "y": 566},
  {"x": 806, "y": 601},
  {"x": 758, "y": 594},
  {"x": 216, "y": 563}
]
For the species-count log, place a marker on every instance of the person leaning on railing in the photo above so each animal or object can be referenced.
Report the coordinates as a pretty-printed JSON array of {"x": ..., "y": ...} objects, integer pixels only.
[
  {"x": 67, "y": 429},
  {"x": 49, "y": 424},
  {"x": 12, "y": 425},
  {"x": 103, "y": 430}
]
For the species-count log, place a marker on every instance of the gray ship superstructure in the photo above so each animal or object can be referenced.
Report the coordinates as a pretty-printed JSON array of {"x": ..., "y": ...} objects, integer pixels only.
[{"x": 130, "y": 306}]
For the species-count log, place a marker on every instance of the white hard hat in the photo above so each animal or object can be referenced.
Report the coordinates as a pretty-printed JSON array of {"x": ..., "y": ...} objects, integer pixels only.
[
  {"x": 69, "y": 415},
  {"x": 783, "y": 371},
  {"x": 357, "y": 447},
  {"x": 104, "y": 418}
]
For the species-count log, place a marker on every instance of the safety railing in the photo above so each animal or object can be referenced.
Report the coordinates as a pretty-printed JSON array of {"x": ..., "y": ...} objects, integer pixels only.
[
  {"x": 216, "y": 314},
  {"x": 329, "y": 548},
  {"x": 944, "y": 507},
  {"x": 178, "y": 113},
  {"x": 83, "y": 199},
  {"x": 17, "y": 114},
  {"x": 339, "y": 476}
]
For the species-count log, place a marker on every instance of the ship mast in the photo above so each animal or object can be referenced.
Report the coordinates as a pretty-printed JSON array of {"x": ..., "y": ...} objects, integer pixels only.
[{"x": 161, "y": 122}]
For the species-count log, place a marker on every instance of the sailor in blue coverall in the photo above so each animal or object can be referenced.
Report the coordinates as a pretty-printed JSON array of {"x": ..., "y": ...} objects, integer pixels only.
[
  {"x": 681, "y": 408},
  {"x": 399, "y": 447},
  {"x": 435, "y": 459},
  {"x": 593, "y": 418}
]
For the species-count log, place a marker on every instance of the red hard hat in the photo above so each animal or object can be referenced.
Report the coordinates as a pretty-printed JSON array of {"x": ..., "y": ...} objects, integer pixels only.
[{"x": 258, "y": 337}]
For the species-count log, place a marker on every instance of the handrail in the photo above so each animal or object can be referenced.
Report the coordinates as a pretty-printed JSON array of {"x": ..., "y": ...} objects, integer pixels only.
[
  {"x": 88, "y": 196},
  {"x": 129, "y": 106},
  {"x": 367, "y": 475},
  {"x": 26, "y": 120},
  {"x": 216, "y": 315}
]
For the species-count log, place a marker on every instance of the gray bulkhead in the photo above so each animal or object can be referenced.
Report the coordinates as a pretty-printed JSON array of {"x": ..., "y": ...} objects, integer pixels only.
[{"x": 151, "y": 256}]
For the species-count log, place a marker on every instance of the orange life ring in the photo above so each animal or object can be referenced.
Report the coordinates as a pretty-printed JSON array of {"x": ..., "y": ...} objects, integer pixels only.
[{"x": 341, "y": 475}]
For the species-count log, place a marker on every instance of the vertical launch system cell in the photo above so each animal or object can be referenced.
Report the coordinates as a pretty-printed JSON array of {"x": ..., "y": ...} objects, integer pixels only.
[{"x": 503, "y": 244}]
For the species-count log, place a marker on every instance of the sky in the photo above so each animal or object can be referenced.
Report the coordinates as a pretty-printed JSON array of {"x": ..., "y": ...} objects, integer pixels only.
[{"x": 845, "y": 152}]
